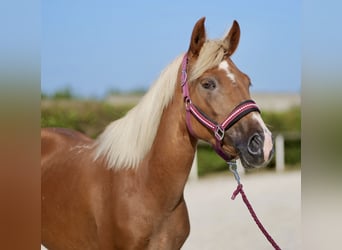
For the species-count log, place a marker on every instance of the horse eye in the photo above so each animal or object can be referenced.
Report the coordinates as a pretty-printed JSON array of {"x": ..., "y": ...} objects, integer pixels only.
[{"x": 209, "y": 84}]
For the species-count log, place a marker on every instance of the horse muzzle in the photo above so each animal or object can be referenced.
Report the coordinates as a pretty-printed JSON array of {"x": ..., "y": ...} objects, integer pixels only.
[{"x": 257, "y": 151}]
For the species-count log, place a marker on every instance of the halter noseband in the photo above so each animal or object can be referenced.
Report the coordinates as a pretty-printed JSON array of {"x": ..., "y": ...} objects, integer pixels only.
[{"x": 237, "y": 113}]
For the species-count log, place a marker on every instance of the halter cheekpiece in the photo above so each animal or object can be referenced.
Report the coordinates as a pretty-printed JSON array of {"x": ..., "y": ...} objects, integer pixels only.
[{"x": 235, "y": 115}]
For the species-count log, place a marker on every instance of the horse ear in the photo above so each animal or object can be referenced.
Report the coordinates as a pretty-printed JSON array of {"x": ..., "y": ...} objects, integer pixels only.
[
  {"x": 231, "y": 41},
  {"x": 198, "y": 37}
]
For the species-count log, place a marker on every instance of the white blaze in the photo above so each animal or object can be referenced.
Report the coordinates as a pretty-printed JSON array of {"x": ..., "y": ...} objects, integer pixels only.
[
  {"x": 225, "y": 66},
  {"x": 268, "y": 143}
]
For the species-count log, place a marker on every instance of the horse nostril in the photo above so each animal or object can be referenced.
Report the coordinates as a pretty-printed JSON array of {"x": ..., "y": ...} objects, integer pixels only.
[{"x": 255, "y": 144}]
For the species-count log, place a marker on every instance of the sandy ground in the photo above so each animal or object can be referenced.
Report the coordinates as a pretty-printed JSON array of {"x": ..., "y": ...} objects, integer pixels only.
[{"x": 217, "y": 222}]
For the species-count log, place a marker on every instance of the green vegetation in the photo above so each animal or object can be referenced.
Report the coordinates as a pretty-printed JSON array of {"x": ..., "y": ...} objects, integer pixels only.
[
  {"x": 62, "y": 94},
  {"x": 287, "y": 121},
  {"x": 91, "y": 117},
  {"x": 208, "y": 160},
  {"x": 292, "y": 152}
]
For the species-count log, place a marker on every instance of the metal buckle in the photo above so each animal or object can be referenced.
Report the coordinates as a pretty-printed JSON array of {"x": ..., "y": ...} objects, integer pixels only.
[{"x": 219, "y": 133}]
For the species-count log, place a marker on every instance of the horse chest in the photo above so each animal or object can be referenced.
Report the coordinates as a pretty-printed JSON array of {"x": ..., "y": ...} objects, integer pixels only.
[{"x": 140, "y": 227}]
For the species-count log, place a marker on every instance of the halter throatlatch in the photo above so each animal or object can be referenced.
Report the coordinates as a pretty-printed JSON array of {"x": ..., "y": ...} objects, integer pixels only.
[{"x": 236, "y": 114}]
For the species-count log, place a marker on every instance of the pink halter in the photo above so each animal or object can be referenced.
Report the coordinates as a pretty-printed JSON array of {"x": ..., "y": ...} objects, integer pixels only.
[{"x": 237, "y": 113}]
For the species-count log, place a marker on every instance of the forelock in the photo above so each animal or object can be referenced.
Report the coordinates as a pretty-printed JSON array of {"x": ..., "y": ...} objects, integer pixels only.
[{"x": 211, "y": 55}]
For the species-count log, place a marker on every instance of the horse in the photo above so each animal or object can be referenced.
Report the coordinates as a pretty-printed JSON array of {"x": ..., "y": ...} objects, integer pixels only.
[{"x": 124, "y": 189}]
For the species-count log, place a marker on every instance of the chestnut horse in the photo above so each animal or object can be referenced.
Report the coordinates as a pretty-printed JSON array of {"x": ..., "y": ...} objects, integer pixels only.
[{"x": 124, "y": 190}]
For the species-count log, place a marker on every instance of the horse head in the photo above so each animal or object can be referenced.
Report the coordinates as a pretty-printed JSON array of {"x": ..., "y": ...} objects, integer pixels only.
[{"x": 218, "y": 89}]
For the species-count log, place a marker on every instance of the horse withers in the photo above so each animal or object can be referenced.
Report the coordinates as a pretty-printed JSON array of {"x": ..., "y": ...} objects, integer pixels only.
[{"x": 124, "y": 190}]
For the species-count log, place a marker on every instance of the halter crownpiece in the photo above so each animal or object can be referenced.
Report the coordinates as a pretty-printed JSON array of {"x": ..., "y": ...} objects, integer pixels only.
[{"x": 235, "y": 115}]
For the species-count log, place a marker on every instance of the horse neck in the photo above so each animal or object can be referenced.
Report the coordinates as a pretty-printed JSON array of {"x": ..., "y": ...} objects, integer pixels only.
[{"x": 172, "y": 153}]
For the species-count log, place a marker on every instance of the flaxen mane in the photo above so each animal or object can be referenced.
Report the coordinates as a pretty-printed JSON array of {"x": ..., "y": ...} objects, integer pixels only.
[{"x": 125, "y": 142}]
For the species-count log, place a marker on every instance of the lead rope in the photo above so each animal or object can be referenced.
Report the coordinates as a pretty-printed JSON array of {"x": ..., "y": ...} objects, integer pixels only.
[{"x": 233, "y": 168}]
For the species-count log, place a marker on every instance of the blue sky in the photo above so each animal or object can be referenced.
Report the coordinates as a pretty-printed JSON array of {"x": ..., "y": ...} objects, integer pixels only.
[{"x": 96, "y": 46}]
